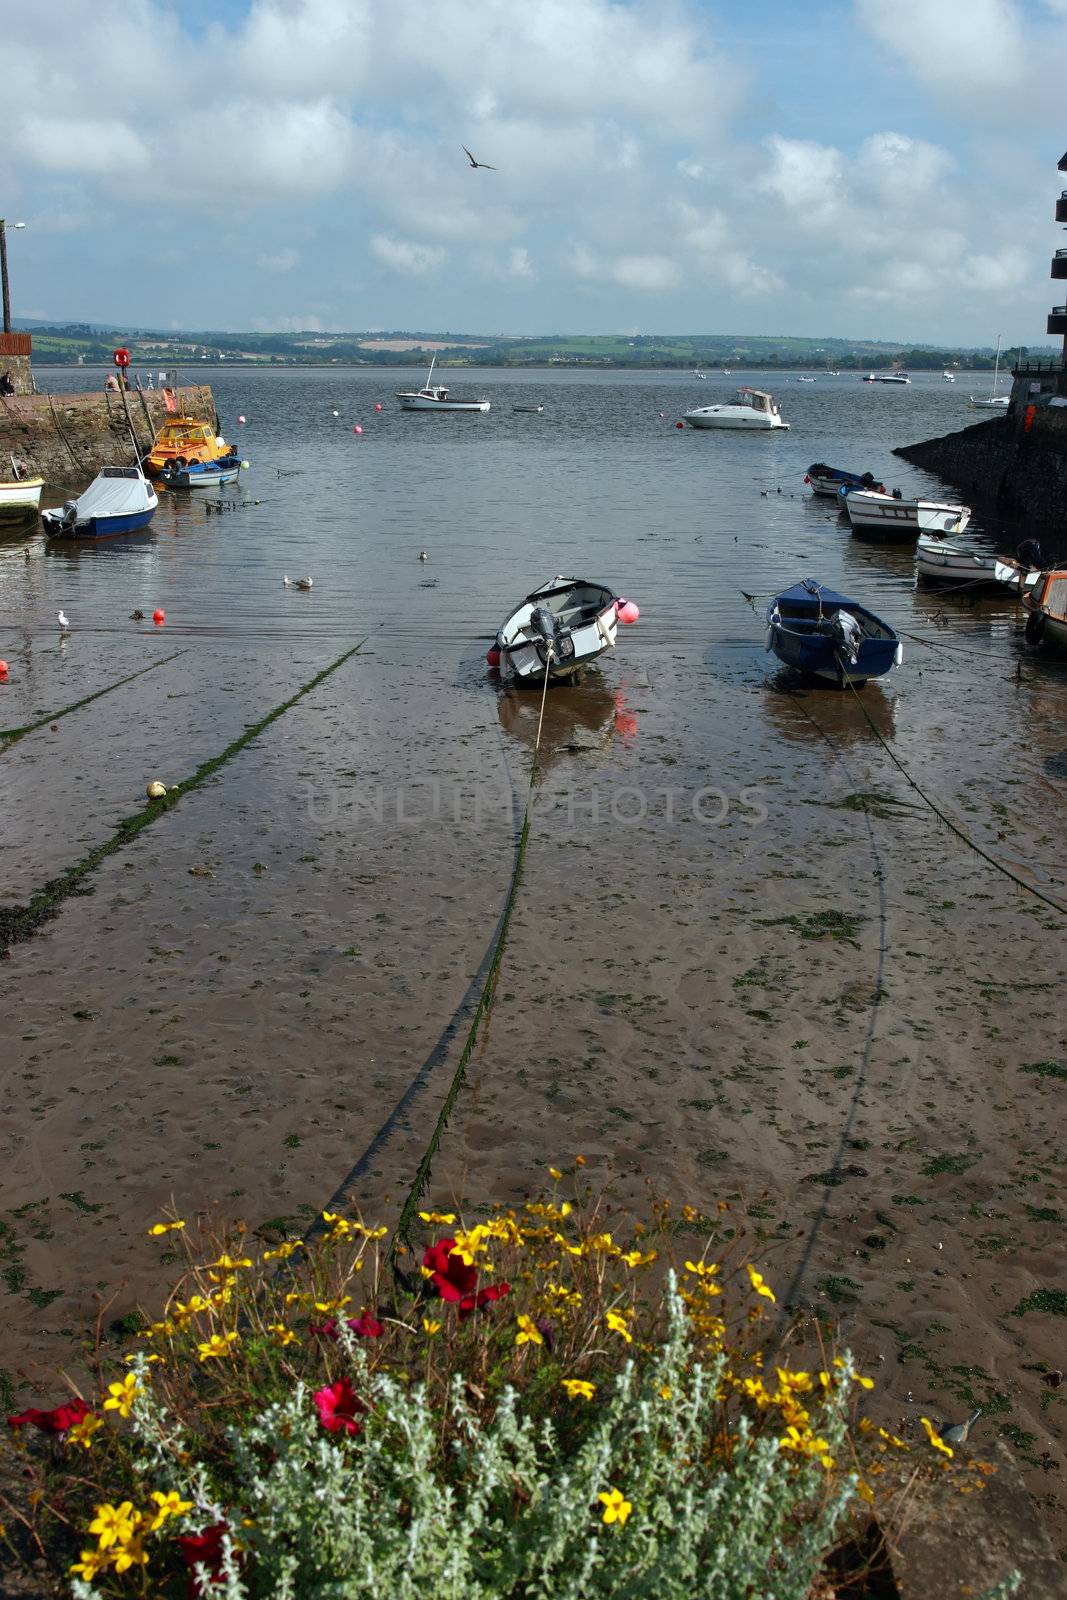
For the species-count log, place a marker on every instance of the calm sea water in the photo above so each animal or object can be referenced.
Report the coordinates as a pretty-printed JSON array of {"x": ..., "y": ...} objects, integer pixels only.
[{"x": 602, "y": 484}]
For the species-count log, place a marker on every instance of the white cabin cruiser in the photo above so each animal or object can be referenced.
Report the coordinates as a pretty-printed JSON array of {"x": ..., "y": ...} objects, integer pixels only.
[
  {"x": 753, "y": 408},
  {"x": 886, "y": 377},
  {"x": 890, "y": 516},
  {"x": 435, "y": 397},
  {"x": 559, "y": 629}
]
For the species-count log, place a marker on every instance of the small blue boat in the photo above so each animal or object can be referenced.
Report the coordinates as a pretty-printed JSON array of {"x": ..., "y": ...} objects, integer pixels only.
[
  {"x": 828, "y": 636},
  {"x": 202, "y": 474},
  {"x": 119, "y": 500},
  {"x": 830, "y": 481}
]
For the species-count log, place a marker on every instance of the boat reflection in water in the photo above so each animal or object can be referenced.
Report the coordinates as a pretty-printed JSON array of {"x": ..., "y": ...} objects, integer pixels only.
[
  {"x": 581, "y": 721},
  {"x": 803, "y": 714}
]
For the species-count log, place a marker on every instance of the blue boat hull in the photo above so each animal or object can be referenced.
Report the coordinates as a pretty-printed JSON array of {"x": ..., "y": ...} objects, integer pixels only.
[
  {"x": 202, "y": 480},
  {"x": 101, "y": 527},
  {"x": 804, "y": 632},
  {"x": 817, "y": 658}
]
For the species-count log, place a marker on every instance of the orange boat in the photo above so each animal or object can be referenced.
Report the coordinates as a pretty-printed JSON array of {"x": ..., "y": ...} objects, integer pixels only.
[{"x": 181, "y": 440}]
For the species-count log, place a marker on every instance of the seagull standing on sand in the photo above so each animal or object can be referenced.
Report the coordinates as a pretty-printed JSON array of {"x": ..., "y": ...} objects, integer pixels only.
[
  {"x": 476, "y": 164},
  {"x": 63, "y": 623}
]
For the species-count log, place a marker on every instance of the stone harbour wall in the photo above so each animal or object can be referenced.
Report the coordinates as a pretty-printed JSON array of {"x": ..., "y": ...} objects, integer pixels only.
[
  {"x": 1016, "y": 463},
  {"x": 67, "y": 438}
]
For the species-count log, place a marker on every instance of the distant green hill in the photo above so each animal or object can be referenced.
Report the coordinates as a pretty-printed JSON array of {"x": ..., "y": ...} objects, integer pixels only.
[{"x": 83, "y": 343}]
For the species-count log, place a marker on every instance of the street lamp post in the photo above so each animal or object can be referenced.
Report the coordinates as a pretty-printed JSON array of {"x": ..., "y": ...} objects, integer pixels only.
[{"x": 4, "y": 289}]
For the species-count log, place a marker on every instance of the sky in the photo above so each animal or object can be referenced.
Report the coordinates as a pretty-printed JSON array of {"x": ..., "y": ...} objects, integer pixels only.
[{"x": 861, "y": 168}]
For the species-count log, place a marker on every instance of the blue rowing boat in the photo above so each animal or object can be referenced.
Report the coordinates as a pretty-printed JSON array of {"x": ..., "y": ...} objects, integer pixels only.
[
  {"x": 202, "y": 474},
  {"x": 826, "y": 635},
  {"x": 829, "y": 481},
  {"x": 119, "y": 500}
]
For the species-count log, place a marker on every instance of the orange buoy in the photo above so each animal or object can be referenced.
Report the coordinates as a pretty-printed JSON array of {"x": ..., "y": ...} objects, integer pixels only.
[{"x": 159, "y": 615}]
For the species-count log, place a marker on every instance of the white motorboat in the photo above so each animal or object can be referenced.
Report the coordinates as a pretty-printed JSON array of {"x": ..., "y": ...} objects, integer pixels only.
[
  {"x": 994, "y": 401},
  {"x": 559, "y": 629},
  {"x": 436, "y": 397},
  {"x": 699, "y": 374},
  {"x": 949, "y": 377},
  {"x": 19, "y": 497},
  {"x": 886, "y": 377},
  {"x": 805, "y": 380},
  {"x": 890, "y": 516},
  {"x": 753, "y": 408},
  {"x": 1047, "y": 604},
  {"x": 940, "y": 561}
]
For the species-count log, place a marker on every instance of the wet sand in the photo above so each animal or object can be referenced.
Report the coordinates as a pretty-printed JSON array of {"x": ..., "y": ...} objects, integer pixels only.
[{"x": 822, "y": 1007}]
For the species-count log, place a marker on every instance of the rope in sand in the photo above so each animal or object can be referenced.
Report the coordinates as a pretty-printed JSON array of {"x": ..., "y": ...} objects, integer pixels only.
[
  {"x": 481, "y": 1010},
  {"x": 10, "y": 736},
  {"x": 22, "y": 922}
]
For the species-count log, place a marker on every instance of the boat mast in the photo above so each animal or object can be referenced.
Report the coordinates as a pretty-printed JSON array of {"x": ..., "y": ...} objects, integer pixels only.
[
  {"x": 429, "y": 375},
  {"x": 996, "y": 369}
]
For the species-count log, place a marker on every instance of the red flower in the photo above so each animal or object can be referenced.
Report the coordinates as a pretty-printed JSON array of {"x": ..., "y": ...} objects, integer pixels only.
[
  {"x": 364, "y": 1327},
  {"x": 484, "y": 1297},
  {"x": 203, "y": 1550},
  {"x": 59, "y": 1420},
  {"x": 338, "y": 1406},
  {"x": 451, "y": 1275}
]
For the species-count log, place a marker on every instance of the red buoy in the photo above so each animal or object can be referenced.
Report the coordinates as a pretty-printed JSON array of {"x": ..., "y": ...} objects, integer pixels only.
[
  {"x": 492, "y": 655},
  {"x": 357, "y": 428},
  {"x": 159, "y": 616},
  {"x": 679, "y": 424},
  {"x": 3, "y": 669},
  {"x": 377, "y": 405}
]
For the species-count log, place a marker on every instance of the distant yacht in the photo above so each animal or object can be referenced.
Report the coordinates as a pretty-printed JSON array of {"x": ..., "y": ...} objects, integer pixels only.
[
  {"x": 886, "y": 377},
  {"x": 995, "y": 401}
]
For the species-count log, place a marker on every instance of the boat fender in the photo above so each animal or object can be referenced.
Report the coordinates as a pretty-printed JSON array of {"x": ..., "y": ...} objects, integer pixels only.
[
  {"x": 1034, "y": 631},
  {"x": 492, "y": 655}
]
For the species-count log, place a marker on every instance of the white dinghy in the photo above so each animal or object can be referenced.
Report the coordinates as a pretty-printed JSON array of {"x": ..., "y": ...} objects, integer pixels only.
[
  {"x": 559, "y": 629},
  {"x": 890, "y": 516},
  {"x": 940, "y": 561}
]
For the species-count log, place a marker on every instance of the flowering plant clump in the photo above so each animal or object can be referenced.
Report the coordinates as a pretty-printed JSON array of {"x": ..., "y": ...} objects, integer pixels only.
[{"x": 525, "y": 1406}]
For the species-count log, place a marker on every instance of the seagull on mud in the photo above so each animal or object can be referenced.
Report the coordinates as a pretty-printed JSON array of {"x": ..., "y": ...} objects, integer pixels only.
[{"x": 476, "y": 164}]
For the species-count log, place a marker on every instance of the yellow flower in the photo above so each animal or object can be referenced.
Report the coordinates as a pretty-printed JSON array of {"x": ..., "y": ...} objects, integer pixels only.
[
  {"x": 578, "y": 1388},
  {"x": 131, "y": 1553},
  {"x": 231, "y": 1263},
  {"x": 369, "y": 1233},
  {"x": 756, "y": 1280},
  {"x": 864, "y": 1383},
  {"x": 114, "y": 1525},
  {"x": 865, "y": 1491},
  {"x": 170, "y": 1504},
  {"x": 82, "y": 1432},
  {"x": 616, "y": 1507},
  {"x": 122, "y": 1395},
  {"x": 218, "y": 1345},
  {"x": 935, "y": 1438},
  {"x": 617, "y": 1324},
  {"x": 702, "y": 1269},
  {"x": 430, "y": 1326},
  {"x": 634, "y": 1258},
  {"x": 529, "y": 1333},
  {"x": 283, "y": 1334},
  {"x": 163, "y": 1227},
  {"x": 602, "y": 1241},
  {"x": 438, "y": 1219},
  {"x": 665, "y": 1391},
  {"x": 469, "y": 1243},
  {"x": 796, "y": 1382},
  {"x": 326, "y": 1306},
  {"x": 554, "y": 1172},
  {"x": 92, "y": 1562},
  {"x": 283, "y": 1252}
]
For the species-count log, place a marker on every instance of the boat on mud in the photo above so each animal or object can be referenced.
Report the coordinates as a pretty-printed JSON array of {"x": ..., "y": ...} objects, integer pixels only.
[
  {"x": 827, "y": 636},
  {"x": 829, "y": 481},
  {"x": 559, "y": 629}
]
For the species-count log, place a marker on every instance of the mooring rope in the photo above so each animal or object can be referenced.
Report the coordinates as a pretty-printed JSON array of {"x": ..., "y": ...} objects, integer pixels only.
[
  {"x": 481, "y": 1010},
  {"x": 22, "y": 922},
  {"x": 10, "y": 736},
  {"x": 947, "y": 820}
]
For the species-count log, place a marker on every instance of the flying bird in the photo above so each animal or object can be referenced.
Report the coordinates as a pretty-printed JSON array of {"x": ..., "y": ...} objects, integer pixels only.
[{"x": 474, "y": 163}]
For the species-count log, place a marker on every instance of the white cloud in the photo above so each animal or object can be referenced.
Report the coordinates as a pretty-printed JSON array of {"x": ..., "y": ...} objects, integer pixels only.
[
  {"x": 649, "y": 274},
  {"x": 520, "y": 266},
  {"x": 279, "y": 261},
  {"x": 954, "y": 47},
  {"x": 404, "y": 255},
  {"x": 102, "y": 146}
]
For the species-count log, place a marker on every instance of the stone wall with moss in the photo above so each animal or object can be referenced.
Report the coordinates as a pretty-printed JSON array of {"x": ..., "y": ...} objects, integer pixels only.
[{"x": 67, "y": 438}]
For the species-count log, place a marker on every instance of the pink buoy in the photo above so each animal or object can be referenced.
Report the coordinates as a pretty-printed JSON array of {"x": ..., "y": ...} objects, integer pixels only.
[
  {"x": 377, "y": 405},
  {"x": 357, "y": 428},
  {"x": 240, "y": 419},
  {"x": 159, "y": 616},
  {"x": 3, "y": 669},
  {"x": 626, "y": 611},
  {"x": 492, "y": 655}
]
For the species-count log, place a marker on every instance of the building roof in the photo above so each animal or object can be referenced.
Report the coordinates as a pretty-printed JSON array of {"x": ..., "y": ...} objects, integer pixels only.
[{"x": 1061, "y": 165}]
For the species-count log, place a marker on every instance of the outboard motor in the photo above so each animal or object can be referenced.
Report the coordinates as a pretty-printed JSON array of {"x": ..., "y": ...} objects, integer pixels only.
[
  {"x": 70, "y": 513},
  {"x": 848, "y": 634},
  {"x": 547, "y": 624}
]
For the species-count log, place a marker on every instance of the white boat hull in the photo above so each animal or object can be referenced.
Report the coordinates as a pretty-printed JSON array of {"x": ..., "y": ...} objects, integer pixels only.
[
  {"x": 994, "y": 403},
  {"x": 20, "y": 496},
  {"x": 589, "y": 628},
  {"x": 942, "y": 562},
  {"x": 1014, "y": 576},
  {"x": 732, "y": 417},
  {"x": 422, "y": 402},
  {"x": 900, "y": 518}
]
